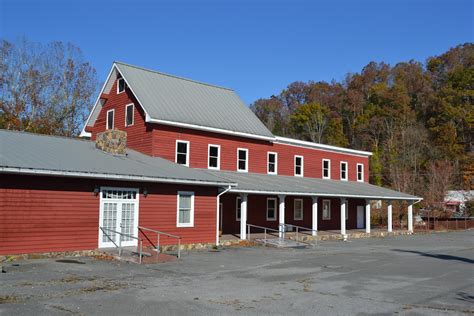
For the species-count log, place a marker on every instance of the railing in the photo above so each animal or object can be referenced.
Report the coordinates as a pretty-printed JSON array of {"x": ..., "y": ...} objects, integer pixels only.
[
  {"x": 119, "y": 246},
  {"x": 158, "y": 234},
  {"x": 299, "y": 230},
  {"x": 265, "y": 229}
]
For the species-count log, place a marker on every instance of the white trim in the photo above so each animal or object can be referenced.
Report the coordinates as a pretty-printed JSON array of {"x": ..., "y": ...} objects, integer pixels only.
[
  {"x": 191, "y": 215},
  {"x": 124, "y": 87},
  {"x": 329, "y": 169},
  {"x": 322, "y": 211},
  {"x": 218, "y": 156},
  {"x": 268, "y": 162},
  {"x": 357, "y": 172},
  {"x": 107, "y": 120},
  {"x": 133, "y": 114},
  {"x": 302, "y": 166},
  {"x": 246, "y": 159},
  {"x": 294, "y": 210},
  {"x": 340, "y": 170},
  {"x": 306, "y": 144},
  {"x": 275, "y": 211},
  {"x": 238, "y": 200},
  {"x": 188, "y": 150}
]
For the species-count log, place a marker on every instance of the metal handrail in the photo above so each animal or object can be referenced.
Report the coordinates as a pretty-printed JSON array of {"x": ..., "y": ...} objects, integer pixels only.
[
  {"x": 158, "y": 233},
  {"x": 261, "y": 227},
  {"x": 298, "y": 229},
  {"x": 119, "y": 246}
]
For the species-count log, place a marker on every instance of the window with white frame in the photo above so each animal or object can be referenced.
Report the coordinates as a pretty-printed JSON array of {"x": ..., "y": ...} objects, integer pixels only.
[
  {"x": 242, "y": 159},
  {"x": 360, "y": 172},
  {"x": 185, "y": 209},
  {"x": 271, "y": 209},
  {"x": 299, "y": 166},
  {"x": 129, "y": 115},
  {"x": 326, "y": 209},
  {"x": 298, "y": 210},
  {"x": 120, "y": 85},
  {"x": 214, "y": 157},
  {"x": 238, "y": 209},
  {"x": 326, "y": 169},
  {"x": 272, "y": 163},
  {"x": 110, "y": 119},
  {"x": 182, "y": 152},
  {"x": 343, "y": 170}
]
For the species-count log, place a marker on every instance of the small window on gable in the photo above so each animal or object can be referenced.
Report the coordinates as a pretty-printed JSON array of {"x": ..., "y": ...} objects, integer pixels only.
[
  {"x": 242, "y": 159},
  {"x": 326, "y": 210},
  {"x": 298, "y": 210},
  {"x": 120, "y": 85},
  {"x": 360, "y": 172},
  {"x": 185, "y": 209},
  {"x": 110, "y": 119},
  {"x": 271, "y": 209},
  {"x": 182, "y": 152},
  {"x": 326, "y": 169},
  {"x": 129, "y": 115},
  {"x": 299, "y": 166},
  {"x": 238, "y": 208},
  {"x": 214, "y": 159},
  {"x": 272, "y": 163},
  {"x": 343, "y": 170}
]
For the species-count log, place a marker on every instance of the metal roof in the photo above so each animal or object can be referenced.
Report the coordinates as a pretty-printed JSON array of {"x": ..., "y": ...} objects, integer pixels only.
[
  {"x": 51, "y": 155},
  {"x": 291, "y": 185},
  {"x": 170, "y": 99}
]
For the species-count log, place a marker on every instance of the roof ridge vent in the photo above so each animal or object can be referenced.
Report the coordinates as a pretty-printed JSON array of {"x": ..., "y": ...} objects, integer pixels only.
[{"x": 112, "y": 141}]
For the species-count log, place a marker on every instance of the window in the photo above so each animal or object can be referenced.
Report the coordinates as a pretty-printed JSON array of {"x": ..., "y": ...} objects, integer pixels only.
[
  {"x": 360, "y": 172},
  {"x": 343, "y": 170},
  {"x": 238, "y": 209},
  {"x": 271, "y": 209},
  {"x": 326, "y": 169},
  {"x": 120, "y": 85},
  {"x": 182, "y": 152},
  {"x": 272, "y": 161},
  {"x": 298, "y": 210},
  {"x": 129, "y": 115},
  {"x": 242, "y": 159},
  {"x": 214, "y": 160},
  {"x": 299, "y": 166},
  {"x": 326, "y": 209},
  {"x": 110, "y": 119},
  {"x": 185, "y": 209}
]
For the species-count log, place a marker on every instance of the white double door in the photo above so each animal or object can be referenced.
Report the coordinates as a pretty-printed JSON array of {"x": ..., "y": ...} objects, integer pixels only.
[{"x": 118, "y": 213}]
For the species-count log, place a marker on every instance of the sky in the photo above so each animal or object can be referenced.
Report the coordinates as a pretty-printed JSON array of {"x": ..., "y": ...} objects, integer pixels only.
[{"x": 255, "y": 47}]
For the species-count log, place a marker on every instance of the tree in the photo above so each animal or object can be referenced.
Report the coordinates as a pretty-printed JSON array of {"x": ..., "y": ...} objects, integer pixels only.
[{"x": 311, "y": 120}]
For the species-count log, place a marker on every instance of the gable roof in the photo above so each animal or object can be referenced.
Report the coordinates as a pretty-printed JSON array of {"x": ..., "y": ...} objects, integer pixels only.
[
  {"x": 36, "y": 154},
  {"x": 172, "y": 100}
]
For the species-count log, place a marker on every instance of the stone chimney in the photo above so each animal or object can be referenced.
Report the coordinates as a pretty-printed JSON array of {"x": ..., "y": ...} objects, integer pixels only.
[{"x": 112, "y": 141}]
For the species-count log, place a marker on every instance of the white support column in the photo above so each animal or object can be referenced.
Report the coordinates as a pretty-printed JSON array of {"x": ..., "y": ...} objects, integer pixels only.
[
  {"x": 243, "y": 216},
  {"x": 367, "y": 216},
  {"x": 281, "y": 216},
  {"x": 389, "y": 216},
  {"x": 343, "y": 217},
  {"x": 410, "y": 217},
  {"x": 314, "y": 216}
]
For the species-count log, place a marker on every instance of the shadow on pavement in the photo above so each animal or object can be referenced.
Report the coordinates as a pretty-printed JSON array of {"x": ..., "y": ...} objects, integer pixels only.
[{"x": 437, "y": 256}]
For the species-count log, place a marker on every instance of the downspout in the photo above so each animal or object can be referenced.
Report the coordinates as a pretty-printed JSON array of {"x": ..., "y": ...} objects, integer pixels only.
[{"x": 218, "y": 213}]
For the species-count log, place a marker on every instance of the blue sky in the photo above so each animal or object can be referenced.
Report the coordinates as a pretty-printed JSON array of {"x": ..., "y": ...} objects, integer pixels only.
[{"x": 255, "y": 47}]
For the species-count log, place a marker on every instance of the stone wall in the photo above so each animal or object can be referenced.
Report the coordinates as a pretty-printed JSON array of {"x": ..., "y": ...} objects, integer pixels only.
[{"x": 112, "y": 141}]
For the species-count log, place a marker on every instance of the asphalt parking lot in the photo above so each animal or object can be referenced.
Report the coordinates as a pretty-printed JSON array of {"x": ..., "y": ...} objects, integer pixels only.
[{"x": 430, "y": 274}]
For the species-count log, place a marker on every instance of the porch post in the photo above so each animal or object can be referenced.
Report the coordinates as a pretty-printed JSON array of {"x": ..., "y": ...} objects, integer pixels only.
[
  {"x": 281, "y": 216},
  {"x": 389, "y": 216},
  {"x": 314, "y": 216},
  {"x": 410, "y": 217},
  {"x": 367, "y": 216},
  {"x": 343, "y": 217},
  {"x": 243, "y": 216}
]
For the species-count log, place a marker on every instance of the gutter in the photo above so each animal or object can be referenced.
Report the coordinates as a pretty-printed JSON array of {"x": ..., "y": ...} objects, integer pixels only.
[{"x": 218, "y": 212}]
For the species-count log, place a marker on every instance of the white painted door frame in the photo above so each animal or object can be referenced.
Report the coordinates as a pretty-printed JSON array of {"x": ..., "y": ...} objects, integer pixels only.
[{"x": 360, "y": 216}]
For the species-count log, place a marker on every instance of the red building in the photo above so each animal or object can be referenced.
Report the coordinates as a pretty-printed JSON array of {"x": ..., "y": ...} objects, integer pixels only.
[{"x": 198, "y": 161}]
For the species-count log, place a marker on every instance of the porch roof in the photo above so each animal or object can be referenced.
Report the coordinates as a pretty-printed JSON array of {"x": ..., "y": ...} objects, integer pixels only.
[{"x": 291, "y": 185}]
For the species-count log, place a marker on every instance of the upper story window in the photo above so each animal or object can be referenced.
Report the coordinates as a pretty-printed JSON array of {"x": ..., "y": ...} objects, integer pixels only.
[
  {"x": 299, "y": 166},
  {"x": 298, "y": 210},
  {"x": 360, "y": 172},
  {"x": 238, "y": 208},
  {"x": 343, "y": 170},
  {"x": 185, "y": 216},
  {"x": 182, "y": 152},
  {"x": 326, "y": 169},
  {"x": 272, "y": 163},
  {"x": 271, "y": 209},
  {"x": 214, "y": 157},
  {"x": 129, "y": 115},
  {"x": 110, "y": 119},
  {"x": 326, "y": 209},
  {"x": 120, "y": 85},
  {"x": 242, "y": 159}
]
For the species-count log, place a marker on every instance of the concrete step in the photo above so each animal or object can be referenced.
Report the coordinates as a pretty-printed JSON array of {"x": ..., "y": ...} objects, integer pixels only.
[{"x": 282, "y": 243}]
